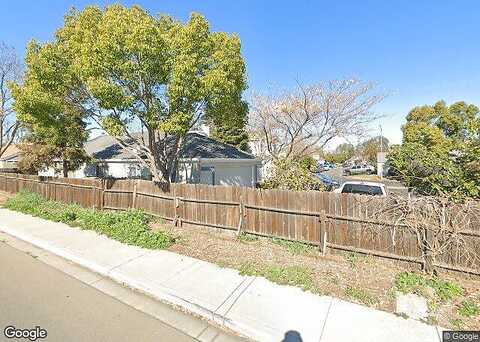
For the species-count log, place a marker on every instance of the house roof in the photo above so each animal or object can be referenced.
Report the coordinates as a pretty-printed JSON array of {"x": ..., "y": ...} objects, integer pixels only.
[
  {"x": 196, "y": 145},
  {"x": 11, "y": 153}
]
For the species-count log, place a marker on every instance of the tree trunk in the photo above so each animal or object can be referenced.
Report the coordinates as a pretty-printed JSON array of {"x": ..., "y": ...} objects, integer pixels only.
[{"x": 65, "y": 168}]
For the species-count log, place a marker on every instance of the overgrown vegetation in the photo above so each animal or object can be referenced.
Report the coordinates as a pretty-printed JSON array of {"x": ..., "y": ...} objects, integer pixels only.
[
  {"x": 444, "y": 290},
  {"x": 285, "y": 275},
  {"x": 355, "y": 258},
  {"x": 294, "y": 247},
  {"x": 292, "y": 175},
  {"x": 360, "y": 295},
  {"x": 246, "y": 238},
  {"x": 130, "y": 227},
  {"x": 468, "y": 308}
]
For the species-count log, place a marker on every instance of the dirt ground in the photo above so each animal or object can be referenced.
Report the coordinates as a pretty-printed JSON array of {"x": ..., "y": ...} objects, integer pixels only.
[{"x": 363, "y": 279}]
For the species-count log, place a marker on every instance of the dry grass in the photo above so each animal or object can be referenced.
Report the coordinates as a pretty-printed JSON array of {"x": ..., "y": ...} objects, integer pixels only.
[{"x": 357, "y": 278}]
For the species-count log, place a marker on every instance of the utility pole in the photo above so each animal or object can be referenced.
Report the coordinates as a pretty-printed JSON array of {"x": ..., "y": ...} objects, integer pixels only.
[
  {"x": 381, "y": 152},
  {"x": 381, "y": 138}
]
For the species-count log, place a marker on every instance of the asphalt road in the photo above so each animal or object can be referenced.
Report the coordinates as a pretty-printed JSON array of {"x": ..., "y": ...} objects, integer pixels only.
[{"x": 33, "y": 293}]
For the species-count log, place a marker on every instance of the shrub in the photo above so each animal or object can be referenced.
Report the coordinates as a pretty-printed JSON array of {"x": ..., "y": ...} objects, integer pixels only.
[
  {"x": 130, "y": 227},
  {"x": 291, "y": 175}
]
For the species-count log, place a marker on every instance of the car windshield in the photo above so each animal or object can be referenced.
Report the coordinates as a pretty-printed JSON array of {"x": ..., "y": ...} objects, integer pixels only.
[{"x": 362, "y": 189}]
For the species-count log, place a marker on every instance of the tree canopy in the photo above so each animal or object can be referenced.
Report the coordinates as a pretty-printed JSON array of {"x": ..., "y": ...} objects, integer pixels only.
[
  {"x": 342, "y": 153},
  {"x": 57, "y": 141},
  {"x": 297, "y": 122},
  {"x": 440, "y": 152},
  {"x": 370, "y": 147},
  {"x": 145, "y": 80}
]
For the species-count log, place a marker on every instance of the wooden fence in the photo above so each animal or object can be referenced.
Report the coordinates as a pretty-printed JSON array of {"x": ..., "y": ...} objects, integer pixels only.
[{"x": 328, "y": 220}]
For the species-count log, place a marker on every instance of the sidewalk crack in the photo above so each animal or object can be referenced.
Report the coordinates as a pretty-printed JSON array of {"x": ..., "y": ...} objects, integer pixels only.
[
  {"x": 127, "y": 261},
  {"x": 326, "y": 318},
  {"x": 238, "y": 297}
]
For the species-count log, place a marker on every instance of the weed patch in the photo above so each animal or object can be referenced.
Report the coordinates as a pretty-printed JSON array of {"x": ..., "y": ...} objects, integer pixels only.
[
  {"x": 285, "y": 275},
  {"x": 457, "y": 324},
  {"x": 130, "y": 227},
  {"x": 360, "y": 295},
  {"x": 294, "y": 247},
  {"x": 410, "y": 282},
  {"x": 468, "y": 308},
  {"x": 354, "y": 258},
  {"x": 246, "y": 238}
]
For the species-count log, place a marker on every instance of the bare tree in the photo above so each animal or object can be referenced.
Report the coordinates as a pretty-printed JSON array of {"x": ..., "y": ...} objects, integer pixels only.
[
  {"x": 295, "y": 123},
  {"x": 445, "y": 229},
  {"x": 10, "y": 71}
]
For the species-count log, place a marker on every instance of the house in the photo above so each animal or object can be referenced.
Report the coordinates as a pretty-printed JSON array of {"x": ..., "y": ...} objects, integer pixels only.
[
  {"x": 9, "y": 159},
  {"x": 203, "y": 160}
]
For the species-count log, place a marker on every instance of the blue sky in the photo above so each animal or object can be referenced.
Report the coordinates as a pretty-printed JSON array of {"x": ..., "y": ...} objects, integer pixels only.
[{"x": 416, "y": 51}]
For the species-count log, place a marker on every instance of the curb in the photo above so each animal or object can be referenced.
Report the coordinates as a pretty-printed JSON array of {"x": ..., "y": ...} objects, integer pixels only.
[{"x": 164, "y": 297}]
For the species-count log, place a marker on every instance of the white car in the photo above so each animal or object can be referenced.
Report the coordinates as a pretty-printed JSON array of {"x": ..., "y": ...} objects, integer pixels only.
[
  {"x": 362, "y": 188},
  {"x": 358, "y": 170}
]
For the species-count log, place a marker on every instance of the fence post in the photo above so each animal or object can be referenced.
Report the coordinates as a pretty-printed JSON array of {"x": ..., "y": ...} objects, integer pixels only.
[
  {"x": 241, "y": 211},
  {"x": 175, "y": 206},
  {"x": 94, "y": 196},
  {"x": 16, "y": 183},
  {"x": 323, "y": 233},
  {"x": 428, "y": 266},
  {"x": 72, "y": 197},
  {"x": 102, "y": 199},
  {"x": 134, "y": 195}
]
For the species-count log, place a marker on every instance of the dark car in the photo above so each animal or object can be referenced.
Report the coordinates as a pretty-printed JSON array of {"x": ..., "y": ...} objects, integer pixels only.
[{"x": 329, "y": 183}]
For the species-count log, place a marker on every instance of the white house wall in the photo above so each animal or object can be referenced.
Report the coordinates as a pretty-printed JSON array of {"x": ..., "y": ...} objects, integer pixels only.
[
  {"x": 245, "y": 173},
  {"x": 239, "y": 172}
]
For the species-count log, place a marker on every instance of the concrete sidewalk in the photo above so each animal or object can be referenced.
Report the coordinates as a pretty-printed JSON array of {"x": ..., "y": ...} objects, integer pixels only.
[{"x": 251, "y": 306}]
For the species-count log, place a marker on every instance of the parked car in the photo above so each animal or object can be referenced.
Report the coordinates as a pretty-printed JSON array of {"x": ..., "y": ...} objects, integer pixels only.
[
  {"x": 325, "y": 167},
  {"x": 329, "y": 182},
  {"x": 358, "y": 170},
  {"x": 362, "y": 188}
]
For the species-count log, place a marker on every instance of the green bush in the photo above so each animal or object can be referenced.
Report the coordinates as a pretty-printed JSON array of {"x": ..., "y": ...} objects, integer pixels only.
[
  {"x": 130, "y": 227},
  {"x": 292, "y": 175}
]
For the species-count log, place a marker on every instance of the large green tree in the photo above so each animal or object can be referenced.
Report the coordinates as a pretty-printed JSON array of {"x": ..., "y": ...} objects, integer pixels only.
[
  {"x": 131, "y": 72},
  {"x": 440, "y": 152}
]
